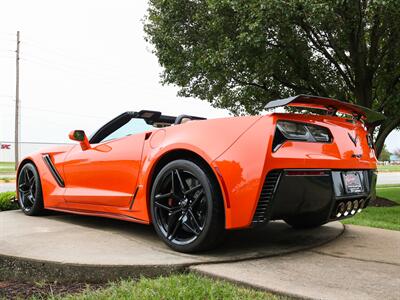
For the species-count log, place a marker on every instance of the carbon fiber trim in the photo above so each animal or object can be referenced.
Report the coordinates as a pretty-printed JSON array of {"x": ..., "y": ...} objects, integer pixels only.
[{"x": 264, "y": 206}]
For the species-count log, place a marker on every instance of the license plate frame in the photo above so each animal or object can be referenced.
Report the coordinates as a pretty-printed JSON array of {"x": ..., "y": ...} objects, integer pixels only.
[{"x": 352, "y": 182}]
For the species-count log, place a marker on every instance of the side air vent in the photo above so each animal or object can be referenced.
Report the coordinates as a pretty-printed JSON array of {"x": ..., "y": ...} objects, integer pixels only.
[
  {"x": 263, "y": 210},
  {"x": 53, "y": 170}
]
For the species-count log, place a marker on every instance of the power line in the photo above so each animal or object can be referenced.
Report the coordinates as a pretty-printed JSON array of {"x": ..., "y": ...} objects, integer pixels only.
[
  {"x": 79, "y": 60},
  {"x": 56, "y": 112},
  {"x": 42, "y": 143},
  {"x": 8, "y": 57},
  {"x": 81, "y": 74},
  {"x": 58, "y": 52}
]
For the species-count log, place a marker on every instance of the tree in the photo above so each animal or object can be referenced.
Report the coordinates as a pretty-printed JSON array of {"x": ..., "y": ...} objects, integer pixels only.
[
  {"x": 385, "y": 154},
  {"x": 240, "y": 55},
  {"x": 397, "y": 152}
]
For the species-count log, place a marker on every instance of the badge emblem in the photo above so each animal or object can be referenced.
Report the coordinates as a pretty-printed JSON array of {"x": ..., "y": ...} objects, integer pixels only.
[{"x": 354, "y": 138}]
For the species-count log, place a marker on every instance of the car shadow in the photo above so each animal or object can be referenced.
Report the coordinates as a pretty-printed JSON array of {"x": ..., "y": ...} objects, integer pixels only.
[{"x": 275, "y": 238}]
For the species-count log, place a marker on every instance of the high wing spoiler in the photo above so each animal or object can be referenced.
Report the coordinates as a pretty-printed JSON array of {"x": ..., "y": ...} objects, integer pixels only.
[{"x": 370, "y": 117}]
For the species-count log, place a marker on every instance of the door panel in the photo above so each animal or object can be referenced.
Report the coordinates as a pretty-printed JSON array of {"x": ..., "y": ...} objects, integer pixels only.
[{"x": 105, "y": 174}]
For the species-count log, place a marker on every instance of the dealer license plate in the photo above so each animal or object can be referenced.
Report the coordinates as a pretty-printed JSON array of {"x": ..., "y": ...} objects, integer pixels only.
[{"x": 352, "y": 182}]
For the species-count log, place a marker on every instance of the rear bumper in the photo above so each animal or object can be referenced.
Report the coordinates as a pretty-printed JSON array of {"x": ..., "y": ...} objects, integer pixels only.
[{"x": 311, "y": 192}]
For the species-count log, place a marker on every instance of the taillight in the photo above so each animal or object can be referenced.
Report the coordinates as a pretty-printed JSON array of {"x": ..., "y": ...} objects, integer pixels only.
[{"x": 295, "y": 131}]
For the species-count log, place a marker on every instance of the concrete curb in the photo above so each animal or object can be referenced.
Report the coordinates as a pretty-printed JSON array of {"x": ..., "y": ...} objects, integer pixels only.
[{"x": 16, "y": 268}]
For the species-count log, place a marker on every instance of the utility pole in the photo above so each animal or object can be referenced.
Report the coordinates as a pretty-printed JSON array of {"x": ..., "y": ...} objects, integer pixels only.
[{"x": 16, "y": 144}]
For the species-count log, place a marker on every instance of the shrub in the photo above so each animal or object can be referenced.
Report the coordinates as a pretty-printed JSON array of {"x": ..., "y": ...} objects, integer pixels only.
[{"x": 7, "y": 201}]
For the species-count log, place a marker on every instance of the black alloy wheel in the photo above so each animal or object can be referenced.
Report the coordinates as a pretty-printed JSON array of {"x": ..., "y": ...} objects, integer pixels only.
[
  {"x": 186, "y": 207},
  {"x": 30, "y": 196}
]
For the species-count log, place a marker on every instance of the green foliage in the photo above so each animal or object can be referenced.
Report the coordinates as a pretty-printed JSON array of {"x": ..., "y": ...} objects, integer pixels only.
[
  {"x": 391, "y": 192},
  {"x": 379, "y": 217},
  {"x": 389, "y": 168},
  {"x": 241, "y": 54},
  {"x": 6, "y": 201},
  {"x": 385, "y": 154},
  {"x": 174, "y": 287},
  {"x": 7, "y": 167}
]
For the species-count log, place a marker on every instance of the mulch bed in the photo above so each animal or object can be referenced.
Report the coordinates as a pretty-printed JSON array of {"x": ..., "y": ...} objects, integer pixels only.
[
  {"x": 23, "y": 290},
  {"x": 382, "y": 202}
]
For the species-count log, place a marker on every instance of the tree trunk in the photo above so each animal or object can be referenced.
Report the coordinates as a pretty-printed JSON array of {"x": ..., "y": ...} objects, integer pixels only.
[{"x": 385, "y": 129}]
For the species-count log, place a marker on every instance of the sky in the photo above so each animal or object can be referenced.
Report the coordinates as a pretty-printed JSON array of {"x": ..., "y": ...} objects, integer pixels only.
[{"x": 82, "y": 63}]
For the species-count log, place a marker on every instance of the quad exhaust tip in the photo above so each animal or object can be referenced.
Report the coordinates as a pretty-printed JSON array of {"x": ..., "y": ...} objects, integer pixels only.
[
  {"x": 340, "y": 210},
  {"x": 349, "y": 208},
  {"x": 355, "y": 207}
]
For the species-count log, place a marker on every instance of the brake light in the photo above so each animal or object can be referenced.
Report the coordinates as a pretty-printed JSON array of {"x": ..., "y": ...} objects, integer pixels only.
[{"x": 307, "y": 173}]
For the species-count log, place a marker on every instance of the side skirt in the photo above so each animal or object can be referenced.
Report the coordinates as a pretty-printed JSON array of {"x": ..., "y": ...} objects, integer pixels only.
[{"x": 99, "y": 214}]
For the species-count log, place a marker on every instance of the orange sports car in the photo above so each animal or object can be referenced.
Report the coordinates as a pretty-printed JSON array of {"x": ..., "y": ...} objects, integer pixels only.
[{"x": 194, "y": 178}]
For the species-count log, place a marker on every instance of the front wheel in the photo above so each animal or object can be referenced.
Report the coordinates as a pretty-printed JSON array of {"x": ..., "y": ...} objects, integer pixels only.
[
  {"x": 186, "y": 207},
  {"x": 30, "y": 195}
]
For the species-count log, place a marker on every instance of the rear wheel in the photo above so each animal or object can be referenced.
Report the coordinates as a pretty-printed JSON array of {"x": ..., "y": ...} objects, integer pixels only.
[
  {"x": 186, "y": 207},
  {"x": 30, "y": 191}
]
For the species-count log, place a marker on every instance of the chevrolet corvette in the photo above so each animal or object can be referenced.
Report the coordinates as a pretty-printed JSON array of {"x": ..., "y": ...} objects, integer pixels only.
[{"x": 308, "y": 162}]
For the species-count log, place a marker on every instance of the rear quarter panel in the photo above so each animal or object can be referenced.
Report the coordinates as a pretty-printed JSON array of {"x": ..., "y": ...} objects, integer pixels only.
[
  {"x": 246, "y": 163},
  {"x": 208, "y": 139}
]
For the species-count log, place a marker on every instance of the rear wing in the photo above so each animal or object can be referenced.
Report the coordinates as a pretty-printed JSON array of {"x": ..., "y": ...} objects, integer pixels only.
[{"x": 371, "y": 118}]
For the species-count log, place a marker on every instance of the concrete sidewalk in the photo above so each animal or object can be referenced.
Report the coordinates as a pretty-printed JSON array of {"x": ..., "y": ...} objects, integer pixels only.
[
  {"x": 363, "y": 263},
  {"x": 78, "y": 248}
]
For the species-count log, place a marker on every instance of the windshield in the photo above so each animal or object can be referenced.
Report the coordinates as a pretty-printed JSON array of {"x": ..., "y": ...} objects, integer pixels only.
[{"x": 133, "y": 126}]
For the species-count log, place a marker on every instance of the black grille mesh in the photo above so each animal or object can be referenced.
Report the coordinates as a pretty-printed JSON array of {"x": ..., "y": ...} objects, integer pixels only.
[{"x": 263, "y": 210}]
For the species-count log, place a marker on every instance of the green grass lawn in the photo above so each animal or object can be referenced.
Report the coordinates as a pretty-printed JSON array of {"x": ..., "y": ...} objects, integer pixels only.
[
  {"x": 381, "y": 217},
  {"x": 389, "y": 168},
  {"x": 185, "y": 286},
  {"x": 7, "y": 167}
]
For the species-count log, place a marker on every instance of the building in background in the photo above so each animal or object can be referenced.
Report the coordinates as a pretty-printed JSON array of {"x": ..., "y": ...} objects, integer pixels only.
[
  {"x": 7, "y": 149},
  {"x": 394, "y": 159}
]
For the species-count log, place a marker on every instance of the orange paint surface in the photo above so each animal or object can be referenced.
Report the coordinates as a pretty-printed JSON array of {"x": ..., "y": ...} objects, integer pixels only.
[{"x": 102, "y": 180}]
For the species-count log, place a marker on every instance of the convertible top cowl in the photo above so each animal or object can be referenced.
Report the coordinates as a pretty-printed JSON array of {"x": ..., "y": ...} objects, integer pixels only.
[{"x": 371, "y": 118}]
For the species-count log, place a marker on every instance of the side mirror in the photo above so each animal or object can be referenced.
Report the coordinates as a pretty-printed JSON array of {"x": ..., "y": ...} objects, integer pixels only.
[{"x": 80, "y": 136}]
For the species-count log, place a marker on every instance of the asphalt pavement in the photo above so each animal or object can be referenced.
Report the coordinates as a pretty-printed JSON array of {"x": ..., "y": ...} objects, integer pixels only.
[
  {"x": 6, "y": 187},
  {"x": 388, "y": 178}
]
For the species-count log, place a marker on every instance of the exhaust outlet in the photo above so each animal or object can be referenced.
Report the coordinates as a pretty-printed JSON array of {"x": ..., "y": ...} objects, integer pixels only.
[
  {"x": 349, "y": 206},
  {"x": 355, "y": 207},
  {"x": 340, "y": 210}
]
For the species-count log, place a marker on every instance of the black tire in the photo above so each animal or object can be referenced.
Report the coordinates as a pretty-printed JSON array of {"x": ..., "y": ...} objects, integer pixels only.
[
  {"x": 188, "y": 222},
  {"x": 30, "y": 196},
  {"x": 305, "y": 222}
]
